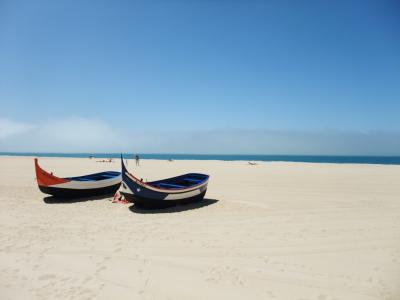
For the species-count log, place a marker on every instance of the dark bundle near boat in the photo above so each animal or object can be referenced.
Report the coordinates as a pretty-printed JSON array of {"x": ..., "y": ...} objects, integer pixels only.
[
  {"x": 163, "y": 193},
  {"x": 104, "y": 183}
]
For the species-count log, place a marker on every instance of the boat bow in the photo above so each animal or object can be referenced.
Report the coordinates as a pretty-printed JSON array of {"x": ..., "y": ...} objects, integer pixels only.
[{"x": 45, "y": 178}]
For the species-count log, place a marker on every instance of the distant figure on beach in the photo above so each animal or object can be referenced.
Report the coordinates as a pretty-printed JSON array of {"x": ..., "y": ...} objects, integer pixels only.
[{"x": 137, "y": 160}]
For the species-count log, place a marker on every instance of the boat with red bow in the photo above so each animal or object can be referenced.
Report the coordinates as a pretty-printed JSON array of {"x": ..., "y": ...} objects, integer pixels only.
[{"x": 97, "y": 184}]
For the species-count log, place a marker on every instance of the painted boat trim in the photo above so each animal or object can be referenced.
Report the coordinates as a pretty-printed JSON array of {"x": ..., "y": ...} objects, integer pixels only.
[{"x": 167, "y": 191}]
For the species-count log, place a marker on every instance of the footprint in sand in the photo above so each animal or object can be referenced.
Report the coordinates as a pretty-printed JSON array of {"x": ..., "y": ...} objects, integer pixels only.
[
  {"x": 87, "y": 279},
  {"x": 47, "y": 277},
  {"x": 146, "y": 281},
  {"x": 271, "y": 294},
  {"x": 102, "y": 268}
]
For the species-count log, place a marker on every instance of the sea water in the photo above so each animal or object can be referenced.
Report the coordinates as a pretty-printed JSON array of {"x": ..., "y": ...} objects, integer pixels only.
[{"x": 385, "y": 160}]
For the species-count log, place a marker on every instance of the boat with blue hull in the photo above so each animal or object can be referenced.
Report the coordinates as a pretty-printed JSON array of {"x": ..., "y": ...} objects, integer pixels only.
[
  {"x": 103, "y": 183},
  {"x": 181, "y": 189}
]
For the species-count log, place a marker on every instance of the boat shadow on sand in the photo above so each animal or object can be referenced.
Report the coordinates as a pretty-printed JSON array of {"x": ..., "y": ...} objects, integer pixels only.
[
  {"x": 172, "y": 209},
  {"x": 60, "y": 200}
]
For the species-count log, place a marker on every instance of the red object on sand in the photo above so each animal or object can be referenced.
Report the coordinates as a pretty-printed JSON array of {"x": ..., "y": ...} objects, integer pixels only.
[{"x": 118, "y": 198}]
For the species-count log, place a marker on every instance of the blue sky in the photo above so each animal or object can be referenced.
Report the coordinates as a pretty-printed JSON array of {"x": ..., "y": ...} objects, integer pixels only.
[{"x": 140, "y": 71}]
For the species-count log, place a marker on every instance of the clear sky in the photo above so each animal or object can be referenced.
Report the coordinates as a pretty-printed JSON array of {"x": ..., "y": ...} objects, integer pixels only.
[{"x": 156, "y": 74}]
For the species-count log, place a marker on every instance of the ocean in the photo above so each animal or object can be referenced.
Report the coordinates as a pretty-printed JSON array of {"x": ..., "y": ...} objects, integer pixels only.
[{"x": 382, "y": 160}]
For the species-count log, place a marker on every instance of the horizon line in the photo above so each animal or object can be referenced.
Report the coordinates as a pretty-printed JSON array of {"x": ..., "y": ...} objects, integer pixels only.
[{"x": 199, "y": 154}]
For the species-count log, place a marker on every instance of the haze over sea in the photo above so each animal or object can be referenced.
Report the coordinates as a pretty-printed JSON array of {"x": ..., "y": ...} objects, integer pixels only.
[{"x": 341, "y": 159}]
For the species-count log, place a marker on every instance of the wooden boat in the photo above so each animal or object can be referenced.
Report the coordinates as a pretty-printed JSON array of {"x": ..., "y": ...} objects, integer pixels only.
[
  {"x": 163, "y": 193},
  {"x": 82, "y": 186}
]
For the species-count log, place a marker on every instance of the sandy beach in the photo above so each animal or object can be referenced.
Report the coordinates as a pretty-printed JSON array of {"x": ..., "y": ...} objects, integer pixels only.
[{"x": 275, "y": 230}]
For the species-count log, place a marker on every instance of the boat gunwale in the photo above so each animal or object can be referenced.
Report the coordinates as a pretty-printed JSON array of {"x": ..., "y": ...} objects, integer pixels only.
[{"x": 164, "y": 190}]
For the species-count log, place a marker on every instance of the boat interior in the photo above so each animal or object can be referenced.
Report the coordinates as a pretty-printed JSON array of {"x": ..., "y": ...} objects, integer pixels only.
[
  {"x": 183, "y": 181},
  {"x": 96, "y": 177}
]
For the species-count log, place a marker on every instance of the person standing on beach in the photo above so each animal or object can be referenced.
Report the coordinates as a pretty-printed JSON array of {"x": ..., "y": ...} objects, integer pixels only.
[{"x": 137, "y": 159}]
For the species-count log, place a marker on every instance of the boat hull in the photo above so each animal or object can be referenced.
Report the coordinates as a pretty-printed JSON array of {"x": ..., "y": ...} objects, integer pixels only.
[
  {"x": 157, "y": 203},
  {"x": 79, "y": 193}
]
